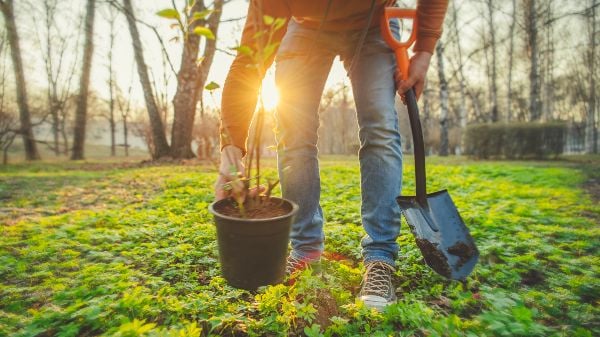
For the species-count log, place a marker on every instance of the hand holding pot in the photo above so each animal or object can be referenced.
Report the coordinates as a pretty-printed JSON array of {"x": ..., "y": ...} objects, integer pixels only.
[{"x": 231, "y": 164}]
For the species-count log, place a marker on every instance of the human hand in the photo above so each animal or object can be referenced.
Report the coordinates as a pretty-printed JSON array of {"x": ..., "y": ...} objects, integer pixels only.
[
  {"x": 231, "y": 160},
  {"x": 417, "y": 70}
]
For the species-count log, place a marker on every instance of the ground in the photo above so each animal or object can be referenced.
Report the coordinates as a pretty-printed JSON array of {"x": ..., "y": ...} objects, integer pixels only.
[{"x": 109, "y": 249}]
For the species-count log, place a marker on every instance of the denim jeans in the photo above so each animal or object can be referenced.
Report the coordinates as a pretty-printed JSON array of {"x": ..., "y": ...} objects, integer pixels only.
[{"x": 303, "y": 63}]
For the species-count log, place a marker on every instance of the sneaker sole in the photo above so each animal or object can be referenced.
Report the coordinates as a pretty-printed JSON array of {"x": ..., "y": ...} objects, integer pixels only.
[{"x": 376, "y": 302}]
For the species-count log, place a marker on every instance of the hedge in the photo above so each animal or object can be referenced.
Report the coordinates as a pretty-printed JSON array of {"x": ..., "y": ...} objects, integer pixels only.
[{"x": 515, "y": 140}]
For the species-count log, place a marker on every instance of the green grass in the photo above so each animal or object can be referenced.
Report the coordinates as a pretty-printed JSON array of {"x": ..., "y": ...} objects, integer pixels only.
[{"x": 98, "y": 249}]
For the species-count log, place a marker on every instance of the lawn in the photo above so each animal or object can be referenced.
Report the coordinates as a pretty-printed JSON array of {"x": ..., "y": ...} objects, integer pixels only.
[{"x": 90, "y": 249}]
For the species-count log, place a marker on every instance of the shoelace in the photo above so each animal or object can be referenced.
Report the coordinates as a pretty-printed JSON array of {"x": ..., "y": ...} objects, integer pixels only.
[{"x": 377, "y": 279}]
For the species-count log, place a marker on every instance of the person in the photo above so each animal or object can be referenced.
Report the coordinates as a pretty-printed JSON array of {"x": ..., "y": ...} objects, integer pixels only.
[{"x": 316, "y": 32}]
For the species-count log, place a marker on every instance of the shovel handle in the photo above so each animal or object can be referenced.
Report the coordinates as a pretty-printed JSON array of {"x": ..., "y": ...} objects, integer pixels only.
[
  {"x": 418, "y": 145},
  {"x": 401, "y": 50},
  {"x": 400, "y": 47}
]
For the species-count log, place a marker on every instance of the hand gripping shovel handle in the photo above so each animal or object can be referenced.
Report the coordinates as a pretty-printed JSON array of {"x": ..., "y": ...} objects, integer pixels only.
[{"x": 401, "y": 50}]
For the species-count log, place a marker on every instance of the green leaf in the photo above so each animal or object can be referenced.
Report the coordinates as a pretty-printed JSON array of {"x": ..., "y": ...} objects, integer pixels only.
[
  {"x": 203, "y": 14},
  {"x": 204, "y": 31},
  {"x": 169, "y": 13},
  {"x": 268, "y": 20},
  {"x": 269, "y": 50},
  {"x": 313, "y": 331},
  {"x": 279, "y": 22},
  {"x": 244, "y": 50},
  {"x": 212, "y": 86}
]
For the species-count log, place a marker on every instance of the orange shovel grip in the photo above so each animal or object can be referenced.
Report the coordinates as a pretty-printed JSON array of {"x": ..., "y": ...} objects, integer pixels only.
[{"x": 400, "y": 48}]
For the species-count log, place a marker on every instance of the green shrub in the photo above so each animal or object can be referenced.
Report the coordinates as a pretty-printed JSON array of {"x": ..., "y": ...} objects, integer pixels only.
[{"x": 515, "y": 140}]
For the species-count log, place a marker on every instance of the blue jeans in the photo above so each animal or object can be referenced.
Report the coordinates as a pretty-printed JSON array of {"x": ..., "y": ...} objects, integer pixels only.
[{"x": 303, "y": 64}]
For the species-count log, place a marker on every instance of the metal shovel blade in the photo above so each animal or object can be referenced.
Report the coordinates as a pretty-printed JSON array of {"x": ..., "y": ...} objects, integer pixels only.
[{"x": 441, "y": 234}]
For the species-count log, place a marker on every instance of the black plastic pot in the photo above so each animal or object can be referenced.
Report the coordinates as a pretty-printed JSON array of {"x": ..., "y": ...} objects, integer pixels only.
[{"x": 253, "y": 252}]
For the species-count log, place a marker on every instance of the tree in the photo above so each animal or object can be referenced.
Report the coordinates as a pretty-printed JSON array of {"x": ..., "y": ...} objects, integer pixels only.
[
  {"x": 461, "y": 76},
  {"x": 511, "y": 33},
  {"x": 112, "y": 123},
  {"x": 493, "y": 86},
  {"x": 26, "y": 129},
  {"x": 124, "y": 104},
  {"x": 82, "y": 100},
  {"x": 191, "y": 78},
  {"x": 54, "y": 44},
  {"x": 532, "y": 46},
  {"x": 591, "y": 132},
  {"x": 439, "y": 51},
  {"x": 160, "y": 147},
  {"x": 8, "y": 127}
]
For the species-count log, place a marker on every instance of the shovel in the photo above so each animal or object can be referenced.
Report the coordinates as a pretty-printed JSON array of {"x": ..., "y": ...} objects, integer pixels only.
[{"x": 440, "y": 232}]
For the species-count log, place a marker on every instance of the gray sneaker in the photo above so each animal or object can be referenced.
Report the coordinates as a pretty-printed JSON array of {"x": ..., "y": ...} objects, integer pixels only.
[{"x": 377, "y": 290}]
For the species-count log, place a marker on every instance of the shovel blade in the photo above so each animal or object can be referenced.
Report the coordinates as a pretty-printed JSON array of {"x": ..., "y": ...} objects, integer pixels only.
[{"x": 441, "y": 234}]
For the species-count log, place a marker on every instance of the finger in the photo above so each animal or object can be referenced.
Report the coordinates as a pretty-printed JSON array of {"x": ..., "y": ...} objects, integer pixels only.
[
  {"x": 220, "y": 196},
  {"x": 405, "y": 85},
  {"x": 254, "y": 191},
  {"x": 220, "y": 193}
]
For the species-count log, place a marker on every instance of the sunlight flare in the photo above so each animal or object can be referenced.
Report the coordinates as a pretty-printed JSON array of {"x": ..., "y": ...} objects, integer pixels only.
[{"x": 270, "y": 94}]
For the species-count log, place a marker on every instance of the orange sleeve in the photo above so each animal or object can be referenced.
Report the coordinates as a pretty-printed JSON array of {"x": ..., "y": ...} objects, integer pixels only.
[
  {"x": 240, "y": 91},
  {"x": 430, "y": 19}
]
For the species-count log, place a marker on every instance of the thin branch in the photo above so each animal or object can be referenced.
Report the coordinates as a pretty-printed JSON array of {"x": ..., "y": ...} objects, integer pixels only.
[
  {"x": 233, "y": 19},
  {"x": 227, "y": 52},
  {"x": 578, "y": 13}
]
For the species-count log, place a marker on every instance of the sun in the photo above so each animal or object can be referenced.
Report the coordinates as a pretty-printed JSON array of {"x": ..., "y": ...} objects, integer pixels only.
[{"x": 270, "y": 94}]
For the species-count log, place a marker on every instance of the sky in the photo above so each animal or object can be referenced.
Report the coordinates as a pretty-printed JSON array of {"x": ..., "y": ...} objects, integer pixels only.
[{"x": 30, "y": 16}]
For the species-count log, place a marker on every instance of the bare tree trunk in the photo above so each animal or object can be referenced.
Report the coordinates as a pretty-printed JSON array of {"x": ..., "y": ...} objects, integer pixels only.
[
  {"x": 125, "y": 134},
  {"x": 81, "y": 111},
  {"x": 534, "y": 76},
  {"x": 591, "y": 133},
  {"x": 493, "y": 87},
  {"x": 63, "y": 133},
  {"x": 26, "y": 130},
  {"x": 510, "y": 61},
  {"x": 124, "y": 105},
  {"x": 7, "y": 121},
  {"x": 159, "y": 140},
  {"x": 548, "y": 73},
  {"x": 52, "y": 90},
  {"x": 475, "y": 103},
  {"x": 111, "y": 86},
  {"x": 439, "y": 51},
  {"x": 463, "y": 100},
  {"x": 191, "y": 79}
]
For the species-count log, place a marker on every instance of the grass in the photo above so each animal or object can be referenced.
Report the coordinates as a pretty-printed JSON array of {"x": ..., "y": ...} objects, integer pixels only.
[{"x": 96, "y": 248}]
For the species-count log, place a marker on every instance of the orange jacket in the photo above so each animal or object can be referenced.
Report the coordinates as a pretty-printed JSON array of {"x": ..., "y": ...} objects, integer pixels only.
[{"x": 241, "y": 86}]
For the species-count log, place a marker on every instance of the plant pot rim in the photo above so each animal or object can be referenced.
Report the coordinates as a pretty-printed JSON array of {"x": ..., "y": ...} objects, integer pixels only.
[{"x": 211, "y": 209}]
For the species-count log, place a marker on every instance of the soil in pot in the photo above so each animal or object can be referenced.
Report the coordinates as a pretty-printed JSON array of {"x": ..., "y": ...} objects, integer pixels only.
[{"x": 267, "y": 208}]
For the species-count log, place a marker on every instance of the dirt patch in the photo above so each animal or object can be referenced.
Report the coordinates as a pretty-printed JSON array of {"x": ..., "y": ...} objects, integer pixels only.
[
  {"x": 464, "y": 252},
  {"x": 326, "y": 308},
  {"x": 532, "y": 277},
  {"x": 434, "y": 258},
  {"x": 270, "y": 208}
]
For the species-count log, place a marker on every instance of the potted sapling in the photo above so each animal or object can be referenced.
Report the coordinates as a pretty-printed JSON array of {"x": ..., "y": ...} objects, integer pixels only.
[{"x": 253, "y": 226}]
